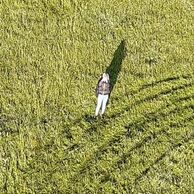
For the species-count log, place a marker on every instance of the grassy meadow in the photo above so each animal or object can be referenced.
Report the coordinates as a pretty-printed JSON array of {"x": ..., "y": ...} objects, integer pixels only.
[{"x": 52, "y": 54}]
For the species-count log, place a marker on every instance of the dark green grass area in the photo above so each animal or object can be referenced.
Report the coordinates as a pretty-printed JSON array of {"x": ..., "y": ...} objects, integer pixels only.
[{"x": 52, "y": 55}]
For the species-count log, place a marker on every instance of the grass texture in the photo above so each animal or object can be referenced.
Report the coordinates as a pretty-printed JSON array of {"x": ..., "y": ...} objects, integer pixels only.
[{"x": 52, "y": 54}]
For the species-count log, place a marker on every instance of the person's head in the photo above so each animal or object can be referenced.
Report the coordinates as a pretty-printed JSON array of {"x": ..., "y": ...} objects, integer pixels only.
[{"x": 105, "y": 77}]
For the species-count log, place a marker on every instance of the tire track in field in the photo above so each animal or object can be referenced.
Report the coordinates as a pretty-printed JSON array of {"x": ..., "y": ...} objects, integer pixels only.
[
  {"x": 123, "y": 159},
  {"x": 96, "y": 124},
  {"x": 148, "y": 98},
  {"x": 166, "y": 91},
  {"x": 116, "y": 137},
  {"x": 140, "y": 89},
  {"x": 152, "y": 136},
  {"x": 77, "y": 147},
  {"x": 143, "y": 173},
  {"x": 149, "y": 118},
  {"x": 132, "y": 106},
  {"x": 139, "y": 102},
  {"x": 157, "y": 118},
  {"x": 85, "y": 165},
  {"x": 164, "y": 155},
  {"x": 136, "y": 146},
  {"x": 136, "y": 176}
]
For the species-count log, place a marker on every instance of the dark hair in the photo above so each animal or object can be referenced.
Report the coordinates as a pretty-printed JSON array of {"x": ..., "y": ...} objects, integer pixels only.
[{"x": 100, "y": 79}]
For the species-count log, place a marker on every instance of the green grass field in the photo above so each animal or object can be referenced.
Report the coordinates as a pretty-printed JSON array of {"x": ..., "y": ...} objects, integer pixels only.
[{"x": 52, "y": 54}]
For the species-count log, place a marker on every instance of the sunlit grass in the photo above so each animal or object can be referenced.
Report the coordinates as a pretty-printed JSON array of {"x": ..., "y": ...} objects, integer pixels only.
[{"x": 52, "y": 54}]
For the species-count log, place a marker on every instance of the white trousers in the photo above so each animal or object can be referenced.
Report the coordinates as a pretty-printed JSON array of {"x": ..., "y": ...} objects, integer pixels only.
[{"x": 101, "y": 101}]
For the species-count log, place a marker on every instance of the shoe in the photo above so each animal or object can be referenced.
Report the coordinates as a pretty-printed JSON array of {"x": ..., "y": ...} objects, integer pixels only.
[
  {"x": 95, "y": 117},
  {"x": 102, "y": 116}
]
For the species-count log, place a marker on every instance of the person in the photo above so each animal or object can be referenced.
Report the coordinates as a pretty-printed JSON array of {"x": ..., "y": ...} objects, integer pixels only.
[{"x": 102, "y": 93}]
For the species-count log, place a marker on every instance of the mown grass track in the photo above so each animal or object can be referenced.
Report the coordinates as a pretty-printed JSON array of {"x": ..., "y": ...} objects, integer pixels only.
[
  {"x": 134, "y": 93},
  {"x": 118, "y": 138},
  {"x": 165, "y": 174},
  {"x": 133, "y": 106},
  {"x": 57, "y": 166},
  {"x": 110, "y": 176},
  {"x": 137, "y": 95}
]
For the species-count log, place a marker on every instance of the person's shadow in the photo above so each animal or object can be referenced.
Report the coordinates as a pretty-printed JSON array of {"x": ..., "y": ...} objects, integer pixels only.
[
  {"x": 113, "y": 70},
  {"x": 115, "y": 66}
]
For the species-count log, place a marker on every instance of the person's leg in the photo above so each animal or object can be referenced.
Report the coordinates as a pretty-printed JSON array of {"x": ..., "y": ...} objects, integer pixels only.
[
  {"x": 104, "y": 102},
  {"x": 99, "y": 103}
]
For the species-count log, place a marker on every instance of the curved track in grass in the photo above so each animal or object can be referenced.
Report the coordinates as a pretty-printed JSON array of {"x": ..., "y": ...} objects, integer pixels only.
[{"x": 175, "y": 113}]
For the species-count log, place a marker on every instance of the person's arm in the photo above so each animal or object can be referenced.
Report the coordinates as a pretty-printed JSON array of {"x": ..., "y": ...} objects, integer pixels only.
[
  {"x": 96, "y": 91},
  {"x": 97, "y": 87},
  {"x": 109, "y": 87}
]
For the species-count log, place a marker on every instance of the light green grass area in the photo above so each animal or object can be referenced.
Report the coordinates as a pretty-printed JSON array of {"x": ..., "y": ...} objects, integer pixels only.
[{"x": 52, "y": 54}]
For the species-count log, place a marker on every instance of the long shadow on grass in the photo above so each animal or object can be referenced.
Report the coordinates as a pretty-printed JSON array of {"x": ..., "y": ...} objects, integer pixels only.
[{"x": 115, "y": 67}]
